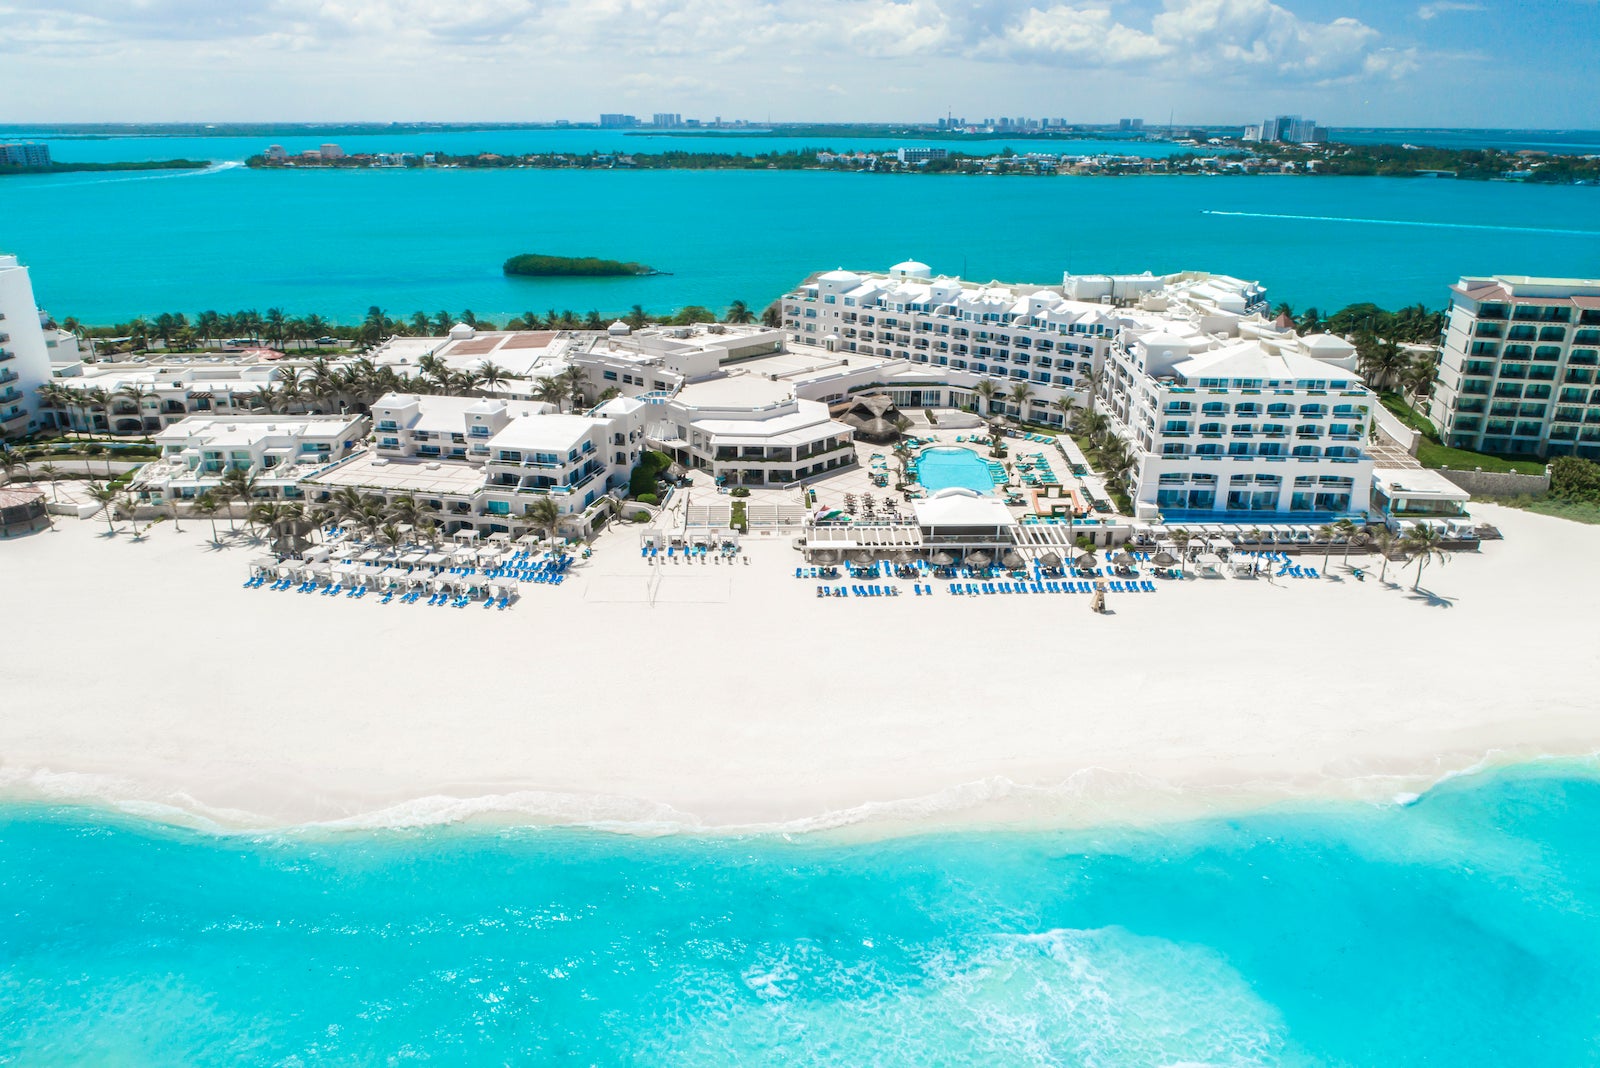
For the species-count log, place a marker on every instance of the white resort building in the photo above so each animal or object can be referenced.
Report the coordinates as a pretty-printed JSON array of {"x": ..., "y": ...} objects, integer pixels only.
[
  {"x": 1258, "y": 427},
  {"x": 24, "y": 354},
  {"x": 281, "y": 451},
  {"x": 1033, "y": 344},
  {"x": 1520, "y": 369}
]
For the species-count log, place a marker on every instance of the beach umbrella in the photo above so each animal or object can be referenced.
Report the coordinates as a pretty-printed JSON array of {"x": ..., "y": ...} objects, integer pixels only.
[
  {"x": 1050, "y": 560},
  {"x": 1087, "y": 560},
  {"x": 825, "y": 556},
  {"x": 1123, "y": 559},
  {"x": 862, "y": 557},
  {"x": 901, "y": 557},
  {"x": 979, "y": 558},
  {"x": 1012, "y": 559},
  {"x": 1165, "y": 559},
  {"x": 943, "y": 559}
]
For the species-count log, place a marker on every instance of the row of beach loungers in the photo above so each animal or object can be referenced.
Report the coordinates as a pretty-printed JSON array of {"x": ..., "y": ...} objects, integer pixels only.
[
  {"x": 978, "y": 589},
  {"x": 357, "y": 592}
]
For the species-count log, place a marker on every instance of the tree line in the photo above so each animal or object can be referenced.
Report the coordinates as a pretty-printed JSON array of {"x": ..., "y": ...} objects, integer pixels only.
[{"x": 277, "y": 328}]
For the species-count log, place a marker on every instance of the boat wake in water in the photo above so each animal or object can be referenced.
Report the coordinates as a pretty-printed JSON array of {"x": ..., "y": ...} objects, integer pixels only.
[{"x": 1405, "y": 222}]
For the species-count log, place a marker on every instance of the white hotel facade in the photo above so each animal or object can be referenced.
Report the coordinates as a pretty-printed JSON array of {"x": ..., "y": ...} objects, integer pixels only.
[
  {"x": 956, "y": 333},
  {"x": 1264, "y": 426},
  {"x": 24, "y": 355}
]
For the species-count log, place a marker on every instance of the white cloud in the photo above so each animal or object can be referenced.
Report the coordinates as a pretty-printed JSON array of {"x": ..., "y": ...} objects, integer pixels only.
[
  {"x": 1444, "y": 7},
  {"x": 712, "y": 51}
]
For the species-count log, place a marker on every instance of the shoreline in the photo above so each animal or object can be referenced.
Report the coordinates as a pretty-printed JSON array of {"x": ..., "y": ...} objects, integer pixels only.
[
  {"x": 150, "y": 683},
  {"x": 966, "y": 809}
]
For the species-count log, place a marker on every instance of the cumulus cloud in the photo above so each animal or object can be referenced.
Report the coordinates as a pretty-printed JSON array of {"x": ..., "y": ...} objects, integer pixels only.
[{"x": 1240, "y": 42}]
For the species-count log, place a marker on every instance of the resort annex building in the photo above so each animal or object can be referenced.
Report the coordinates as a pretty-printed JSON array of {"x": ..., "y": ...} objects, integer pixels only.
[
  {"x": 1518, "y": 374},
  {"x": 1264, "y": 425}
]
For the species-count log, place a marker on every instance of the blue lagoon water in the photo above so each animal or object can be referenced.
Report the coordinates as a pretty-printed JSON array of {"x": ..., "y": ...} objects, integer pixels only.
[
  {"x": 1462, "y": 929},
  {"x": 948, "y": 468},
  {"x": 106, "y": 247}
]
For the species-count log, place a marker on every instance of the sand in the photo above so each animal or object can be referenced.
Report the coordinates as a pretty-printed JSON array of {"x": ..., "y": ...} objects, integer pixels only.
[{"x": 140, "y": 674}]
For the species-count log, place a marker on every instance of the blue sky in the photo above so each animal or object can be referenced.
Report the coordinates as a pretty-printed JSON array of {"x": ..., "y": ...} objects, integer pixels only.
[{"x": 1358, "y": 62}]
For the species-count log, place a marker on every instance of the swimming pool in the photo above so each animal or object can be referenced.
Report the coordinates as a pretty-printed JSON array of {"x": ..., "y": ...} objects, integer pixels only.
[{"x": 943, "y": 468}]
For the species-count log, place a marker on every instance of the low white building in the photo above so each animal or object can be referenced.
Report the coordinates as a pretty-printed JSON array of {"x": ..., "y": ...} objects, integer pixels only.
[
  {"x": 1403, "y": 497},
  {"x": 198, "y": 452},
  {"x": 750, "y": 430}
]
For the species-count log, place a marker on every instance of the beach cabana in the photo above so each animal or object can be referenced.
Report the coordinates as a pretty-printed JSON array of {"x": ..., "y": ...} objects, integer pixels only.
[{"x": 1209, "y": 565}]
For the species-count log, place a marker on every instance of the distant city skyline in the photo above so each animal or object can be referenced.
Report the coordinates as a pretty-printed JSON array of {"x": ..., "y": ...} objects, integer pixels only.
[{"x": 1458, "y": 63}]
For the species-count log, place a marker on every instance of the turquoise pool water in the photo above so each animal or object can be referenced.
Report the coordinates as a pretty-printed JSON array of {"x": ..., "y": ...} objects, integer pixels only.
[{"x": 939, "y": 469}]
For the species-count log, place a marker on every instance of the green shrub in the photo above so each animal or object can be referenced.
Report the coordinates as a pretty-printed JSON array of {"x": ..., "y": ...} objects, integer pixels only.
[
  {"x": 641, "y": 516},
  {"x": 648, "y": 498},
  {"x": 740, "y": 491},
  {"x": 647, "y": 471},
  {"x": 1575, "y": 479}
]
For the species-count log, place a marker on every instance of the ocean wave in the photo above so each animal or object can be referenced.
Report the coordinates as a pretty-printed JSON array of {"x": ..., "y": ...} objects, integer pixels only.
[{"x": 1089, "y": 797}]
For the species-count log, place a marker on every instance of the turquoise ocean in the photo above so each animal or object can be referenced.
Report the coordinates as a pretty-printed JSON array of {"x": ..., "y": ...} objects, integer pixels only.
[
  {"x": 1462, "y": 928},
  {"x": 105, "y": 247}
]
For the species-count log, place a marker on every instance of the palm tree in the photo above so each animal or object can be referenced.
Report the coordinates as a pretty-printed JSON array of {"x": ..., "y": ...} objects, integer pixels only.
[
  {"x": 1021, "y": 392},
  {"x": 51, "y": 473},
  {"x": 391, "y": 536},
  {"x": 208, "y": 505},
  {"x": 1353, "y": 535},
  {"x": 11, "y": 462},
  {"x": 772, "y": 315},
  {"x": 1310, "y": 321},
  {"x": 1180, "y": 538},
  {"x": 544, "y": 514},
  {"x": 552, "y": 390},
  {"x": 491, "y": 376},
  {"x": 987, "y": 391},
  {"x": 105, "y": 495},
  {"x": 1421, "y": 543},
  {"x": 1418, "y": 375},
  {"x": 636, "y": 317},
  {"x": 177, "y": 514},
  {"x": 1381, "y": 538},
  {"x": 1116, "y": 457},
  {"x": 739, "y": 312},
  {"x": 1379, "y": 361},
  {"x": 1066, "y": 404},
  {"x": 1326, "y": 532}
]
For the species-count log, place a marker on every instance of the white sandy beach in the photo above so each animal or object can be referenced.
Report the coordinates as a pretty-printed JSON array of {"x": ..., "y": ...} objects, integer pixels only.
[{"x": 140, "y": 673}]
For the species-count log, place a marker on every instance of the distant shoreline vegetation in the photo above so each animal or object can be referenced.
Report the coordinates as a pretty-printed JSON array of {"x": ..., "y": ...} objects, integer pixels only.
[
  {"x": 130, "y": 165},
  {"x": 1225, "y": 158},
  {"x": 537, "y": 265}
]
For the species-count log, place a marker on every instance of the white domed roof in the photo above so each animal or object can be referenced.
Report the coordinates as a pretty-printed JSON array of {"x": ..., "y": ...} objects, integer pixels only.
[
  {"x": 619, "y": 327},
  {"x": 911, "y": 267},
  {"x": 840, "y": 275}
]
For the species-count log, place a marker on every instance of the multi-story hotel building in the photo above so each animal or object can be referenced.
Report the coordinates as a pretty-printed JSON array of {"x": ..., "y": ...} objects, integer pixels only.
[
  {"x": 198, "y": 452},
  {"x": 1259, "y": 427},
  {"x": 1520, "y": 370},
  {"x": 956, "y": 334},
  {"x": 24, "y": 357}
]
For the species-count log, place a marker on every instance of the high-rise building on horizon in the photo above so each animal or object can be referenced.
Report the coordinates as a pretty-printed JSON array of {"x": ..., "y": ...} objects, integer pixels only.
[
  {"x": 24, "y": 154},
  {"x": 612, "y": 120},
  {"x": 1291, "y": 129}
]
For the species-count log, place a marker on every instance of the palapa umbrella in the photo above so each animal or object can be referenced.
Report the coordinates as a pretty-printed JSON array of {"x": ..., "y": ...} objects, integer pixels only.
[
  {"x": 901, "y": 557},
  {"x": 1086, "y": 561},
  {"x": 862, "y": 557},
  {"x": 1050, "y": 560},
  {"x": 1123, "y": 559},
  {"x": 979, "y": 558},
  {"x": 943, "y": 559},
  {"x": 825, "y": 556},
  {"x": 1012, "y": 559},
  {"x": 1165, "y": 559}
]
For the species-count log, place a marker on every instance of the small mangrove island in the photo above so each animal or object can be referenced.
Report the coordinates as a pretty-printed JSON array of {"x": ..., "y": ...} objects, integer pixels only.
[{"x": 536, "y": 265}]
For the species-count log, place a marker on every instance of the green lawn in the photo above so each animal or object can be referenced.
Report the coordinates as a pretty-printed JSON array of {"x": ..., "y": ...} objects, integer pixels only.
[{"x": 1432, "y": 453}]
